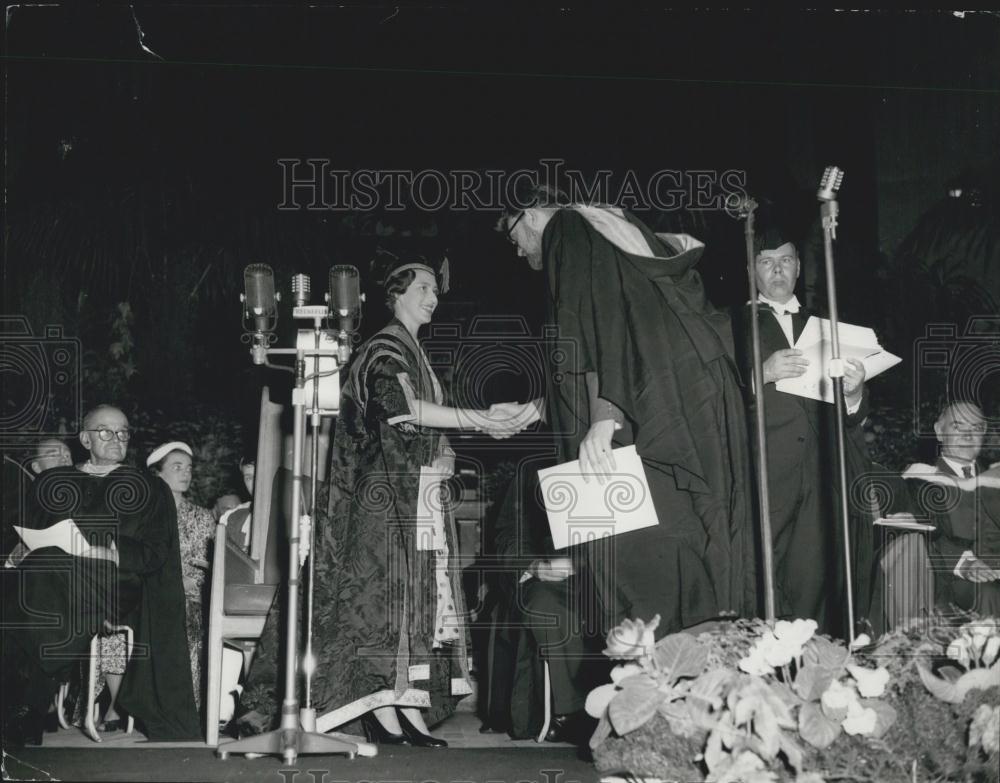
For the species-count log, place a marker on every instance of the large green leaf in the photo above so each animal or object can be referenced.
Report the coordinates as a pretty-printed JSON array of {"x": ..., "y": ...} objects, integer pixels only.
[
  {"x": 679, "y": 715},
  {"x": 812, "y": 679},
  {"x": 710, "y": 687},
  {"x": 766, "y": 727},
  {"x": 792, "y": 751},
  {"x": 631, "y": 708},
  {"x": 681, "y": 655},
  {"x": 601, "y": 733},
  {"x": 822, "y": 652},
  {"x": 886, "y": 716},
  {"x": 955, "y": 692},
  {"x": 815, "y": 728}
]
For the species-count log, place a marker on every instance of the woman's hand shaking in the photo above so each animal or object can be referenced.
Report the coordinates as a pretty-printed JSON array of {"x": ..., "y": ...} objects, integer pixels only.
[{"x": 504, "y": 419}]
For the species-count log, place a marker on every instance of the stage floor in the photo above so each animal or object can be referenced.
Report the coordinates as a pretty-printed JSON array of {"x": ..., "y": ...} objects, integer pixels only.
[{"x": 69, "y": 755}]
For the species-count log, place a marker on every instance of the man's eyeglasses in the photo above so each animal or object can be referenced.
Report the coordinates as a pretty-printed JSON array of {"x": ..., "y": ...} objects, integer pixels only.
[
  {"x": 510, "y": 230},
  {"x": 106, "y": 435},
  {"x": 967, "y": 427}
]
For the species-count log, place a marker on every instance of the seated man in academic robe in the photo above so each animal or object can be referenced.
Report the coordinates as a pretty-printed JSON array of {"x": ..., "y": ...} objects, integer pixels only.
[
  {"x": 962, "y": 499},
  {"x": 118, "y": 561}
]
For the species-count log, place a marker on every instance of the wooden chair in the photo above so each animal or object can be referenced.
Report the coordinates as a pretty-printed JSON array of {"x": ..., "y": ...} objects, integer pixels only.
[{"x": 244, "y": 584}]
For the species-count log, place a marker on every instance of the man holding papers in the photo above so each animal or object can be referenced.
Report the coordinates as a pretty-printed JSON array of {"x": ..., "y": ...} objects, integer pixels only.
[
  {"x": 653, "y": 367},
  {"x": 801, "y": 447},
  {"x": 106, "y": 549}
]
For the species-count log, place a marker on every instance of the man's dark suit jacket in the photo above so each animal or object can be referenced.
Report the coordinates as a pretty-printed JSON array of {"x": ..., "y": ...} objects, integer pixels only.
[{"x": 802, "y": 463}]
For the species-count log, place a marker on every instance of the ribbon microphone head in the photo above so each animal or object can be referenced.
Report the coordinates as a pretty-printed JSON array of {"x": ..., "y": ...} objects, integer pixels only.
[
  {"x": 301, "y": 286},
  {"x": 260, "y": 301},
  {"x": 739, "y": 205},
  {"x": 345, "y": 297},
  {"x": 830, "y": 183}
]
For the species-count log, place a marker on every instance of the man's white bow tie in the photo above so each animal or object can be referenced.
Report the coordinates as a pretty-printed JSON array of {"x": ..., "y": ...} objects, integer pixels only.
[{"x": 778, "y": 309}]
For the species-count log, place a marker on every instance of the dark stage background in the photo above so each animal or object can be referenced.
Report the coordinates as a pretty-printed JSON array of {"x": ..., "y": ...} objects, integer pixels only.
[{"x": 143, "y": 147}]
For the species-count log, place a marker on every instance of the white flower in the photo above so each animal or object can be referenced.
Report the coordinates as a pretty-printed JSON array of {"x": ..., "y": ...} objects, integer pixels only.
[
  {"x": 773, "y": 651},
  {"x": 755, "y": 663},
  {"x": 859, "y": 720},
  {"x": 631, "y": 639},
  {"x": 871, "y": 682},
  {"x": 599, "y": 699},
  {"x": 837, "y": 698},
  {"x": 624, "y": 670},
  {"x": 985, "y": 729},
  {"x": 862, "y": 640},
  {"x": 796, "y": 633}
]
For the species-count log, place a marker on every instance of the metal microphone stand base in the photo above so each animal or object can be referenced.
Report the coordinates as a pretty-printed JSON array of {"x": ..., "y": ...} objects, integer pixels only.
[{"x": 291, "y": 740}]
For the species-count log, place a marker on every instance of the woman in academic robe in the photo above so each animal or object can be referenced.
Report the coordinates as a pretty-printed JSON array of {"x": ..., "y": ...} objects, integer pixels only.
[{"x": 389, "y": 615}]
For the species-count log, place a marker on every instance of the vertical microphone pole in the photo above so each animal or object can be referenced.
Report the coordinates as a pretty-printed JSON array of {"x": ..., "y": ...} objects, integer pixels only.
[
  {"x": 767, "y": 543},
  {"x": 309, "y": 660},
  {"x": 832, "y": 178},
  {"x": 296, "y": 734}
]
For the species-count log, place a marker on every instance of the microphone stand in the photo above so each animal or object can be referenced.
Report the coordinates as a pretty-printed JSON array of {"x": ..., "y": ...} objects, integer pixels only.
[
  {"x": 828, "y": 212},
  {"x": 767, "y": 544},
  {"x": 296, "y": 734}
]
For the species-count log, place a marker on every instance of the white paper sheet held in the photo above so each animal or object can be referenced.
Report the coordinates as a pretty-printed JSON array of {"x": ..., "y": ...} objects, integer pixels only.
[
  {"x": 64, "y": 535},
  {"x": 856, "y": 342},
  {"x": 579, "y": 511},
  {"x": 905, "y": 521}
]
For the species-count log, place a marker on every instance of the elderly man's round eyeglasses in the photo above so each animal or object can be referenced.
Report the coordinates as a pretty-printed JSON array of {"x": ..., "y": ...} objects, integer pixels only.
[
  {"x": 768, "y": 262},
  {"x": 106, "y": 435},
  {"x": 513, "y": 225},
  {"x": 969, "y": 428}
]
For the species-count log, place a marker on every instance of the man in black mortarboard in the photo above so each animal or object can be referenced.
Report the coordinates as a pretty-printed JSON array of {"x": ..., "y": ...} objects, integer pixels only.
[{"x": 801, "y": 446}]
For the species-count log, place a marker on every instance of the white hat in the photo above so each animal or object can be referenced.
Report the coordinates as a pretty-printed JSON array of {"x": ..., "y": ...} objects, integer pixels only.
[{"x": 161, "y": 451}]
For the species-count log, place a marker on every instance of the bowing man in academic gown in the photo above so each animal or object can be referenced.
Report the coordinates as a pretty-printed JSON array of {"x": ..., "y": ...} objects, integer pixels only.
[
  {"x": 644, "y": 359},
  {"x": 803, "y": 482}
]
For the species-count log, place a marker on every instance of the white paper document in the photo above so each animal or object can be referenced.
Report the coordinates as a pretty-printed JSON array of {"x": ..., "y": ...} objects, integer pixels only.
[
  {"x": 905, "y": 521},
  {"x": 579, "y": 511},
  {"x": 856, "y": 342},
  {"x": 64, "y": 535},
  {"x": 430, "y": 511}
]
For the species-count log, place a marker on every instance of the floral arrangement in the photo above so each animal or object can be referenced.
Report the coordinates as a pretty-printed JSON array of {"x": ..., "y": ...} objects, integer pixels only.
[{"x": 753, "y": 703}]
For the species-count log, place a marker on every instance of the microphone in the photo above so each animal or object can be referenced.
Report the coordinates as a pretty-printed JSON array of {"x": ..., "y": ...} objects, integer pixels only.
[
  {"x": 260, "y": 300},
  {"x": 301, "y": 286},
  {"x": 830, "y": 183},
  {"x": 740, "y": 205},
  {"x": 345, "y": 297}
]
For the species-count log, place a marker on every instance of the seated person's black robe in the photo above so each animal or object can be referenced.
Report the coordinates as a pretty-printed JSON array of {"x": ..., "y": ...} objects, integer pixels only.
[{"x": 136, "y": 513}]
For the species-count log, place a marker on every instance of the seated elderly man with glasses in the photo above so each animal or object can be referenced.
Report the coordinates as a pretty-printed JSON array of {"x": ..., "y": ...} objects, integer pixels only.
[
  {"x": 103, "y": 551},
  {"x": 960, "y": 496}
]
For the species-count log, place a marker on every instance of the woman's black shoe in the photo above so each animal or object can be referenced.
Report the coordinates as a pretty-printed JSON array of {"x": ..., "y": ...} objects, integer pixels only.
[
  {"x": 417, "y": 738},
  {"x": 379, "y": 734}
]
